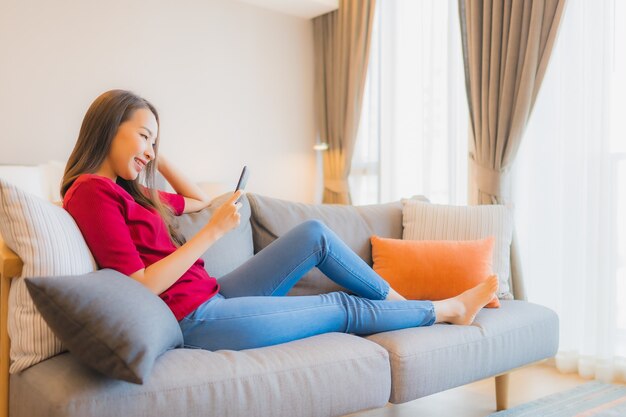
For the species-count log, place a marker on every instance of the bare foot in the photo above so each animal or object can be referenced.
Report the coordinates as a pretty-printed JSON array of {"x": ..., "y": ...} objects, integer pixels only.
[{"x": 463, "y": 308}]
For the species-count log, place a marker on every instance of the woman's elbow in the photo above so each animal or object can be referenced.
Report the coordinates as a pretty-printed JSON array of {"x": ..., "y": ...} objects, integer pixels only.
[
  {"x": 193, "y": 205},
  {"x": 140, "y": 276}
]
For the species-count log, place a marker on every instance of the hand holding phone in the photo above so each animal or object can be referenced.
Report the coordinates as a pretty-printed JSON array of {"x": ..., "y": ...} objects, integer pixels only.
[{"x": 243, "y": 179}]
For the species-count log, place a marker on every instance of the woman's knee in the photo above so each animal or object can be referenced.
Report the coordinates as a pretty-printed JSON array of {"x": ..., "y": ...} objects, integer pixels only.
[{"x": 313, "y": 229}]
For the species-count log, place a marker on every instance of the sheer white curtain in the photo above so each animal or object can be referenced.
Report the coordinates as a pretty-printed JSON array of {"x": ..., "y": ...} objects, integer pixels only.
[
  {"x": 413, "y": 131},
  {"x": 570, "y": 190}
]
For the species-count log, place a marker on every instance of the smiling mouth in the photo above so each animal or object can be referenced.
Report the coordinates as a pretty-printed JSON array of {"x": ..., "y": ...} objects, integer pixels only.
[{"x": 139, "y": 164}]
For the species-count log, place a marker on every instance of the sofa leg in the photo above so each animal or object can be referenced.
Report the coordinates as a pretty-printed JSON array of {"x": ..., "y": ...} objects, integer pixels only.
[{"x": 502, "y": 392}]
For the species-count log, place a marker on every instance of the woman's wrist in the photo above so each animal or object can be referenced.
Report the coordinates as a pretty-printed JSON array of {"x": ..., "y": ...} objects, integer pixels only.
[{"x": 211, "y": 232}]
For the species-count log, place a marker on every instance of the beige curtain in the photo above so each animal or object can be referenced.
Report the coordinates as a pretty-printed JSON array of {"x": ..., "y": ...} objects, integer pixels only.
[
  {"x": 342, "y": 40},
  {"x": 506, "y": 49}
]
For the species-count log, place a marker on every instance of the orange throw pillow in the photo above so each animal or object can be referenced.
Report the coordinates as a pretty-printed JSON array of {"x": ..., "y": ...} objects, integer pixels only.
[{"x": 433, "y": 269}]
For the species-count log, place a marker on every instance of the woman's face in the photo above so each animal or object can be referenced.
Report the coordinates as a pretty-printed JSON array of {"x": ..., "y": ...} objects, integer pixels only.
[{"x": 132, "y": 146}]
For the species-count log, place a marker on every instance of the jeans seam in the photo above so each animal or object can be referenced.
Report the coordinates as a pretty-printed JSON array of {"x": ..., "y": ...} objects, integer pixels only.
[
  {"x": 294, "y": 268},
  {"x": 431, "y": 309},
  {"x": 266, "y": 314},
  {"x": 337, "y": 259}
]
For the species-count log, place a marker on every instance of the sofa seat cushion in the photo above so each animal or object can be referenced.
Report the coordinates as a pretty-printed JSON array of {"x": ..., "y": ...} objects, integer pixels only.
[
  {"x": 325, "y": 375},
  {"x": 426, "y": 360}
]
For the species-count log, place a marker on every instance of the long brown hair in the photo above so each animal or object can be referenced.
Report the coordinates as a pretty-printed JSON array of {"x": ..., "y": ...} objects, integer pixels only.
[{"x": 97, "y": 131}]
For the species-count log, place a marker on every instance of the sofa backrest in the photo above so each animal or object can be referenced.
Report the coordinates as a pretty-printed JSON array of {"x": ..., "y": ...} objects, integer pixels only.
[{"x": 272, "y": 217}]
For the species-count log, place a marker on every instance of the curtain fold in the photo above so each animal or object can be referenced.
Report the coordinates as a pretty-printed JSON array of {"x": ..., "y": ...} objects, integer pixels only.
[
  {"x": 342, "y": 42},
  {"x": 506, "y": 48}
]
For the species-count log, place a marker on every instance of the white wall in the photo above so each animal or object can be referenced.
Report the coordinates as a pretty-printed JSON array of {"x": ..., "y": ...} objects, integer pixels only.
[{"x": 233, "y": 83}]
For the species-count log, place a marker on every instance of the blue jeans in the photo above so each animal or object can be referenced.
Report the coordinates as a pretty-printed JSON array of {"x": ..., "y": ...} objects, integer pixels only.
[{"x": 251, "y": 311}]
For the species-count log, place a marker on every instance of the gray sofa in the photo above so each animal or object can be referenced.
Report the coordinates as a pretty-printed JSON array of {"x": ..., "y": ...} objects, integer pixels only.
[{"x": 326, "y": 375}]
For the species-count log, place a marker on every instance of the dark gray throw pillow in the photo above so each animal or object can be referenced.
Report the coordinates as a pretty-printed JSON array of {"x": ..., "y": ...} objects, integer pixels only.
[{"x": 109, "y": 321}]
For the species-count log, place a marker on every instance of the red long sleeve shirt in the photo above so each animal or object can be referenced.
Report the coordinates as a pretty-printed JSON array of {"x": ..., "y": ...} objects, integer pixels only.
[{"x": 125, "y": 236}]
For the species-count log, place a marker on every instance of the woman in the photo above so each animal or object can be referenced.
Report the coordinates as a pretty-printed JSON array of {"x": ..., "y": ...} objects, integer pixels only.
[{"x": 128, "y": 227}]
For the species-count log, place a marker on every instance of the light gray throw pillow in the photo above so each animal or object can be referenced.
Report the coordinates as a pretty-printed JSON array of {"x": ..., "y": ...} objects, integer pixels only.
[{"x": 109, "y": 321}]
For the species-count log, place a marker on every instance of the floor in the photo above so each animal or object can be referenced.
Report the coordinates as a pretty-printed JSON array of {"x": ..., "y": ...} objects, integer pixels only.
[{"x": 479, "y": 398}]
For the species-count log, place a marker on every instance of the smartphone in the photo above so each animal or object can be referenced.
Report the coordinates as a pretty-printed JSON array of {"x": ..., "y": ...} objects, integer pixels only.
[{"x": 243, "y": 179}]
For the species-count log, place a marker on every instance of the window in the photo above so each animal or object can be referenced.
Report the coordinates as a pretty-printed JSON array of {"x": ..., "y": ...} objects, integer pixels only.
[
  {"x": 570, "y": 184},
  {"x": 414, "y": 124}
]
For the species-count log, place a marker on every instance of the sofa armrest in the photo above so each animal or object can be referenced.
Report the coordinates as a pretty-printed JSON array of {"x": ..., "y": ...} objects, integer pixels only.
[
  {"x": 10, "y": 267},
  {"x": 10, "y": 263}
]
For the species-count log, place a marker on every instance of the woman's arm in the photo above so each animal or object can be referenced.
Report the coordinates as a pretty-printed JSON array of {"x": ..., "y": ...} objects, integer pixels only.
[
  {"x": 195, "y": 198},
  {"x": 159, "y": 276}
]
